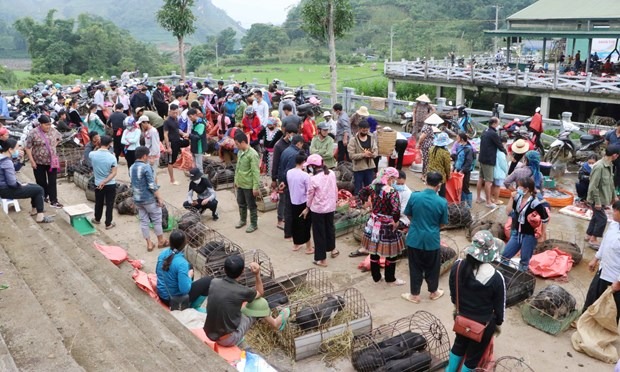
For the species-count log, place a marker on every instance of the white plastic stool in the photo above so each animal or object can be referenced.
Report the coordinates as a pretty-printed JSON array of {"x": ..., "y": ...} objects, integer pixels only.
[{"x": 6, "y": 203}]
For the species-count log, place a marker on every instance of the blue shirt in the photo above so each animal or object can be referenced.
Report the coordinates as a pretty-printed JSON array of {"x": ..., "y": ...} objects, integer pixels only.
[
  {"x": 431, "y": 211},
  {"x": 103, "y": 162},
  {"x": 142, "y": 183},
  {"x": 612, "y": 137},
  {"x": 4, "y": 108},
  {"x": 175, "y": 281}
]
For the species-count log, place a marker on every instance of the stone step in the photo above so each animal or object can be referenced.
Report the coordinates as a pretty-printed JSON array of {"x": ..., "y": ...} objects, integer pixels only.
[{"x": 30, "y": 338}]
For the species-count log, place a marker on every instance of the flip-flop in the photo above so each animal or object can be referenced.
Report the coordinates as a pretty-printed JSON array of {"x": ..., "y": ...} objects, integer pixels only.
[
  {"x": 46, "y": 219},
  {"x": 406, "y": 297},
  {"x": 397, "y": 283},
  {"x": 319, "y": 264},
  {"x": 296, "y": 249},
  {"x": 280, "y": 227},
  {"x": 357, "y": 253},
  {"x": 433, "y": 298},
  {"x": 285, "y": 313},
  {"x": 309, "y": 251},
  {"x": 164, "y": 244},
  {"x": 335, "y": 254}
]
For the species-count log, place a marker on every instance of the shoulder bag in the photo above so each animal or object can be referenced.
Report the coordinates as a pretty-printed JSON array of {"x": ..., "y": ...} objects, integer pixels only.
[
  {"x": 462, "y": 325},
  {"x": 54, "y": 160}
]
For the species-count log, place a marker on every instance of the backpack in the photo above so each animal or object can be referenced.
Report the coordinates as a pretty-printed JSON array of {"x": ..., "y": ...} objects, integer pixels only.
[{"x": 474, "y": 155}]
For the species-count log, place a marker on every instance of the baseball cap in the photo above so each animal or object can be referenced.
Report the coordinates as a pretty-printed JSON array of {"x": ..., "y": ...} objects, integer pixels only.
[
  {"x": 143, "y": 118},
  {"x": 195, "y": 174}
]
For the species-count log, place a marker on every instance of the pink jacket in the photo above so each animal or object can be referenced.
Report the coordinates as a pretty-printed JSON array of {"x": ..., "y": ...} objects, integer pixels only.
[{"x": 322, "y": 193}]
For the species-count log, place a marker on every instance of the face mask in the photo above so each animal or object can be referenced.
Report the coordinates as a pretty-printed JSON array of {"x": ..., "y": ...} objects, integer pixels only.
[
  {"x": 398, "y": 187},
  {"x": 520, "y": 192},
  {"x": 230, "y": 100},
  {"x": 15, "y": 154},
  {"x": 310, "y": 169},
  {"x": 196, "y": 181}
]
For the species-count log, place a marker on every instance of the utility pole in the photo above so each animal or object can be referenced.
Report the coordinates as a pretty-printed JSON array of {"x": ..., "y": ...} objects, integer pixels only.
[
  {"x": 497, "y": 8},
  {"x": 391, "y": 42},
  {"x": 217, "y": 61}
]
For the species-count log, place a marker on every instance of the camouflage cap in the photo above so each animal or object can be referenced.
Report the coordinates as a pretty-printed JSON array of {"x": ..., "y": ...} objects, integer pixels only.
[{"x": 483, "y": 247}]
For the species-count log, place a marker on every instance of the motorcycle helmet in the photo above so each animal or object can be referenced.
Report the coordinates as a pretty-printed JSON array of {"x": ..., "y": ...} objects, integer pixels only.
[
  {"x": 249, "y": 111},
  {"x": 57, "y": 86}
]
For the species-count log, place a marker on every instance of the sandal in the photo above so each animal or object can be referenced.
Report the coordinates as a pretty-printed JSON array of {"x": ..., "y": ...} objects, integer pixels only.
[
  {"x": 397, "y": 282},
  {"x": 357, "y": 253},
  {"x": 335, "y": 254},
  {"x": 407, "y": 297},
  {"x": 309, "y": 251},
  {"x": 439, "y": 294},
  {"x": 46, "y": 219},
  {"x": 164, "y": 244},
  {"x": 296, "y": 248},
  {"x": 319, "y": 263},
  {"x": 285, "y": 314}
]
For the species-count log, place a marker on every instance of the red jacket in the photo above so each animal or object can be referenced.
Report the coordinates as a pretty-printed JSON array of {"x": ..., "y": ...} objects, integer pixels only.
[
  {"x": 251, "y": 128},
  {"x": 536, "y": 124},
  {"x": 308, "y": 130}
]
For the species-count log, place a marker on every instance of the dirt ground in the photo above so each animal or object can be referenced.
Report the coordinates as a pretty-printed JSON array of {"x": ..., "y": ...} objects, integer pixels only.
[{"x": 541, "y": 351}]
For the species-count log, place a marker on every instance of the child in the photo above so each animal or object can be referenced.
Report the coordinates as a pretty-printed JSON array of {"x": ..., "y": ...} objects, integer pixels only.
[{"x": 584, "y": 177}]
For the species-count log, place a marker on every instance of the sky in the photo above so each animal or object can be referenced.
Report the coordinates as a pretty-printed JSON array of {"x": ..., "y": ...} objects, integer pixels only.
[{"x": 256, "y": 11}]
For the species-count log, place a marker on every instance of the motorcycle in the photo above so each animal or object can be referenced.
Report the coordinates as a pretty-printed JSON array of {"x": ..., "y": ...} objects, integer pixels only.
[
  {"x": 463, "y": 123},
  {"x": 563, "y": 149},
  {"x": 304, "y": 103}
]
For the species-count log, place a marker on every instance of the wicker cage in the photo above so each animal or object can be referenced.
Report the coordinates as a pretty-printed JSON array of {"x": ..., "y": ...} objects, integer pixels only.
[
  {"x": 419, "y": 342},
  {"x": 263, "y": 201},
  {"x": 296, "y": 286},
  {"x": 496, "y": 228},
  {"x": 448, "y": 252},
  {"x": 216, "y": 248},
  {"x": 344, "y": 171},
  {"x": 519, "y": 284},
  {"x": 81, "y": 180},
  {"x": 215, "y": 268},
  {"x": 554, "y": 308},
  {"x": 69, "y": 157},
  {"x": 511, "y": 364},
  {"x": 223, "y": 178},
  {"x": 459, "y": 216},
  {"x": 197, "y": 233},
  {"x": 317, "y": 319},
  {"x": 565, "y": 246}
]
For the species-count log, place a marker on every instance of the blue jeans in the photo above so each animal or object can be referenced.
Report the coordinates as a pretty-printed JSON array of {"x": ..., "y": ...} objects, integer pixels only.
[
  {"x": 525, "y": 243},
  {"x": 363, "y": 178}
]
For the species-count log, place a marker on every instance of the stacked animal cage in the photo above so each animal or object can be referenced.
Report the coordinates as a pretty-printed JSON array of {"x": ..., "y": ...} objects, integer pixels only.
[
  {"x": 419, "y": 342},
  {"x": 216, "y": 248},
  {"x": 197, "y": 233},
  {"x": 519, "y": 284},
  {"x": 222, "y": 176},
  {"x": 321, "y": 319},
  {"x": 69, "y": 156},
  {"x": 215, "y": 268},
  {"x": 554, "y": 308}
]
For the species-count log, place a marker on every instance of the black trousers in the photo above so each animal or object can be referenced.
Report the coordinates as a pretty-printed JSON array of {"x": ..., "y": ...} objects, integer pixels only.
[
  {"x": 423, "y": 265},
  {"x": 105, "y": 195},
  {"x": 471, "y": 349},
  {"x": 285, "y": 197},
  {"x": 617, "y": 172},
  {"x": 400, "y": 147},
  {"x": 513, "y": 165},
  {"x": 32, "y": 191},
  {"x": 199, "y": 288},
  {"x": 442, "y": 190},
  {"x": 101, "y": 116},
  {"x": 466, "y": 178},
  {"x": 323, "y": 234},
  {"x": 212, "y": 205},
  {"x": 300, "y": 226},
  {"x": 343, "y": 154},
  {"x": 597, "y": 224},
  {"x": 46, "y": 178},
  {"x": 245, "y": 199},
  {"x": 130, "y": 157},
  {"x": 596, "y": 289},
  {"x": 390, "y": 268},
  {"x": 118, "y": 147}
]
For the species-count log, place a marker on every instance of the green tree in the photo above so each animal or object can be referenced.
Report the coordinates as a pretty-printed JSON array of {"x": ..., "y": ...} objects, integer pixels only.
[
  {"x": 198, "y": 55},
  {"x": 253, "y": 50},
  {"x": 271, "y": 37},
  {"x": 326, "y": 20},
  {"x": 176, "y": 16},
  {"x": 226, "y": 41}
]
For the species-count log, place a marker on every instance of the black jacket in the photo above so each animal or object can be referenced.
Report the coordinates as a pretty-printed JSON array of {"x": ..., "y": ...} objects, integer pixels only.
[
  {"x": 278, "y": 149},
  {"x": 489, "y": 144},
  {"x": 160, "y": 102},
  {"x": 477, "y": 301}
]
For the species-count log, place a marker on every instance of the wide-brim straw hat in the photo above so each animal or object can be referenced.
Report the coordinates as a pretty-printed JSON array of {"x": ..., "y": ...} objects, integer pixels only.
[
  {"x": 519, "y": 147},
  {"x": 434, "y": 119},
  {"x": 423, "y": 98},
  {"x": 363, "y": 111}
]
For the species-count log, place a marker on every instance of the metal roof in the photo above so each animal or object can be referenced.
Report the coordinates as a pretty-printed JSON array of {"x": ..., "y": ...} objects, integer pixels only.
[
  {"x": 569, "y": 9},
  {"x": 539, "y": 34}
]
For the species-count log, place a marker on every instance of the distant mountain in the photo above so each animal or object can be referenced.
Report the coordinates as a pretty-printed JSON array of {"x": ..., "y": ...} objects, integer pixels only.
[{"x": 136, "y": 16}]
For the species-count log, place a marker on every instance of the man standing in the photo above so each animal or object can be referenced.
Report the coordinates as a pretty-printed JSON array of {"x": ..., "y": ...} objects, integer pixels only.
[
  {"x": 331, "y": 124},
  {"x": 261, "y": 108},
  {"x": 104, "y": 168},
  {"x": 116, "y": 121},
  {"x": 278, "y": 149},
  {"x": 206, "y": 194},
  {"x": 172, "y": 140},
  {"x": 198, "y": 136},
  {"x": 323, "y": 145},
  {"x": 99, "y": 100},
  {"x": 343, "y": 132},
  {"x": 140, "y": 99},
  {"x": 147, "y": 199},
  {"x": 286, "y": 163},
  {"x": 151, "y": 141},
  {"x": 290, "y": 119},
  {"x": 427, "y": 211},
  {"x": 288, "y": 99},
  {"x": 601, "y": 193},
  {"x": 490, "y": 143},
  {"x": 247, "y": 181},
  {"x": 608, "y": 255},
  {"x": 156, "y": 121},
  {"x": 362, "y": 151},
  {"x": 536, "y": 126},
  {"x": 159, "y": 100}
]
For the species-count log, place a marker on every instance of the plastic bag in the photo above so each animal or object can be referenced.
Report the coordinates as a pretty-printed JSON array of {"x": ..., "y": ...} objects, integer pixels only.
[
  {"x": 454, "y": 186},
  {"x": 597, "y": 329},
  {"x": 146, "y": 282},
  {"x": 113, "y": 253},
  {"x": 551, "y": 263}
]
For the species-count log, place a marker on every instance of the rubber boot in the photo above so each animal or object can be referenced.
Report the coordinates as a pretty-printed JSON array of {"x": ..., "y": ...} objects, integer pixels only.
[
  {"x": 243, "y": 217},
  {"x": 467, "y": 198},
  {"x": 253, "y": 221},
  {"x": 465, "y": 369},
  {"x": 454, "y": 363},
  {"x": 197, "y": 304}
]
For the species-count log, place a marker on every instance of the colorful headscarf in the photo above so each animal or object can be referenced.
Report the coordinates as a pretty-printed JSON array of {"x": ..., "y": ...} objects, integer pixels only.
[
  {"x": 533, "y": 161},
  {"x": 385, "y": 174}
]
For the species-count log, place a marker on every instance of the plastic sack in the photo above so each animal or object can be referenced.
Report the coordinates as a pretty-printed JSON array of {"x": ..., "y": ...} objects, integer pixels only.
[
  {"x": 230, "y": 354},
  {"x": 146, "y": 282},
  {"x": 251, "y": 362},
  {"x": 113, "y": 253},
  {"x": 597, "y": 329},
  {"x": 365, "y": 265},
  {"x": 551, "y": 263},
  {"x": 454, "y": 187}
]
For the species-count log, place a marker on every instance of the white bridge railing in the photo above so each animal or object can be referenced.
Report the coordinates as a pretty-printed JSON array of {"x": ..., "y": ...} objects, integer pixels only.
[{"x": 503, "y": 78}]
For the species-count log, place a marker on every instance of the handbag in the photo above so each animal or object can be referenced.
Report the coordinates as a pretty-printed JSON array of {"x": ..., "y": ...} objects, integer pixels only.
[
  {"x": 462, "y": 325},
  {"x": 54, "y": 160}
]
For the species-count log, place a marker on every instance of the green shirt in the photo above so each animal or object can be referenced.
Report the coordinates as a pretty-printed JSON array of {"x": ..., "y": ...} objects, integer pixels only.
[
  {"x": 601, "y": 190},
  {"x": 199, "y": 128},
  {"x": 247, "y": 172},
  {"x": 155, "y": 120},
  {"x": 240, "y": 111},
  {"x": 325, "y": 148},
  {"x": 431, "y": 211}
]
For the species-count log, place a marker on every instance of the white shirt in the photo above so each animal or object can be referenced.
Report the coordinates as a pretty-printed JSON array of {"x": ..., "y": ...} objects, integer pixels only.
[
  {"x": 262, "y": 111},
  {"x": 99, "y": 99},
  {"x": 333, "y": 127},
  {"x": 151, "y": 140},
  {"x": 609, "y": 253},
  {"x": 404, "y": 199}
]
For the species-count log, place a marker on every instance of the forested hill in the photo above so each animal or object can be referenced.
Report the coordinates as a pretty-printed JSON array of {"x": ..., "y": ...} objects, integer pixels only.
[
  {"x": 421, "y": 27},
  {"x": 136, "y": 16}
]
